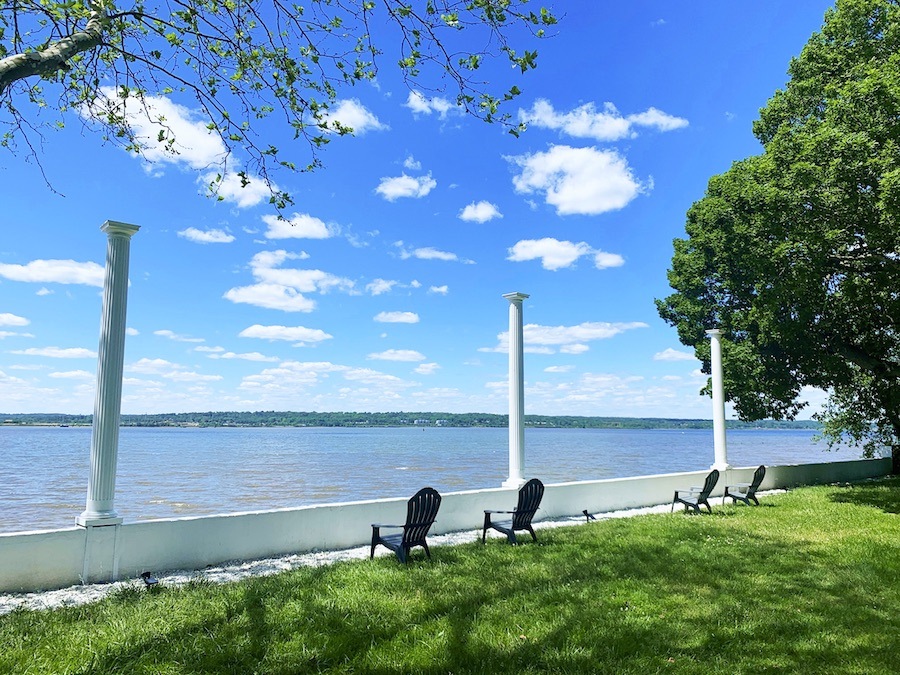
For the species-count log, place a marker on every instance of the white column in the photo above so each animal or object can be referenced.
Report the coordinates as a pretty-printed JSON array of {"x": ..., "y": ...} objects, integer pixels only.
[
  {"x": 718, "y": 400},
  {"x": 100, "y": 508},
  {"x": 516, "y": 393}
]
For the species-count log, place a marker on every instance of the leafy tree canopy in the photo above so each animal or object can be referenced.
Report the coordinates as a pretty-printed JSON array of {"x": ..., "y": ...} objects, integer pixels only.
[
  {"x": 242, "y": 62},
  {"x": 795, "y": 253}
]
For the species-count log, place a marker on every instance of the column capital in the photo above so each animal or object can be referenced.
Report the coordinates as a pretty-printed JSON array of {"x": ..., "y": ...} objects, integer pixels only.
[
  {"x": 714, "y": 332},
  {"x": 515, "y": 297},
  {"x": 112, "y": 227}
]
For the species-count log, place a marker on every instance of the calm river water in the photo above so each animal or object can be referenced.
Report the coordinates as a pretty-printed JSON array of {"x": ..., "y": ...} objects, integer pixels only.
[{"x": 189, "y": 472}]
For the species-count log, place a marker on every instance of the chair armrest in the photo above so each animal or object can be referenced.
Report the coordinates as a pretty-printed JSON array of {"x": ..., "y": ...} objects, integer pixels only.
[
  {"x": 385, "y": 525},
  {"x": 496, "y": 511}
]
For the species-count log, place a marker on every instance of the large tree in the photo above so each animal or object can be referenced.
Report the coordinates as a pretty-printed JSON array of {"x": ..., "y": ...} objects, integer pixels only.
[
  {"x": 795, "y": 253},
  {"x": 243, "y": 62}
]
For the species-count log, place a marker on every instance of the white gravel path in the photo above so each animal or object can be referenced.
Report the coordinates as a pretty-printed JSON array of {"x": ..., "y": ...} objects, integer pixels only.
[{"x": 233, "y": 571}]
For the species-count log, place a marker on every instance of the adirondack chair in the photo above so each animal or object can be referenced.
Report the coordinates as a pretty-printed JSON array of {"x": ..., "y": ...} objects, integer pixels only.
[
  {"x": 530, "y": 496},
  {"x": 694, "y": 498},
  {"x": 421, "y": 511},
  {"x": 746, "y": 492}
]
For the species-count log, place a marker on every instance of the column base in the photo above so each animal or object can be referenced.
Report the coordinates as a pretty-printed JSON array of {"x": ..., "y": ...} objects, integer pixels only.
[
  {"x": 721, "y": 466},
  {"x": 514, "y": 483},
  {"x": 85, "y": 520}
]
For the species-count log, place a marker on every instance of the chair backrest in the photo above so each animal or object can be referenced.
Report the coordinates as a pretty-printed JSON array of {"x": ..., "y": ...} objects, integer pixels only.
[
  {"x": 758, "y": 476},
  {"x": 421, "y": 510},
  {"x": 711, "y": 479},
  {"x": 530, "y": 496}
]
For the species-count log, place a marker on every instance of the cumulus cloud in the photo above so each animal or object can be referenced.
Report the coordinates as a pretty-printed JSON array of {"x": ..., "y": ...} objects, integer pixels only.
[
  {"x": 578, "y": 180},
  {"x": 351, "y": 113},
  {"x": 481, "y": 212},
  {"x": 176, "y": 337},
  {"x": 247, "y": 356},
  {"x": 565, "y": 339},
  {"x": 380, "y": 286},
  {"x": 55, "y": 271},
  {"x": 439, "y": 290},
  {"x": 607, "y": 124},
  {"x": 132, "y": 331},
  {"x": 558, "y": 369},
  {"x": 428, "y": 253},
  {"x": 397, "y": 355},
  {"x": 7, "y": 319},
  {"x": 412, "y": 164},
  {"x": 296, "y": 334},
  {"x": 271, "y": 296},
  {"x": 283, "y": 289},
  {"x": 72, "y": 375},
  {"x": 299, "y": 226},
  {"x": 422, "y": 105},
  {"x": 405, "y": 186},
  {"x": 9, "y": 333},
  {"x": 397, "y": 317},
  {"x": 555, "y": 254},
  {"x": 58, "y": 352},
  {"x": 426, "y": 368},
  {"x": 241, "y": 190},
  {"x": 673, "y": 355}
]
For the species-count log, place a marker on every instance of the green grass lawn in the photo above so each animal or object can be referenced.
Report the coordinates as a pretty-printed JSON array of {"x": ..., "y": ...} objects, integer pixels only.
[{"x": 807, "y": 582}]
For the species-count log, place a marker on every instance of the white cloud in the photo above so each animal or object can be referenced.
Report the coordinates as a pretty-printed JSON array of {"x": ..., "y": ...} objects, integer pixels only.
[
  {"x": 351, "y": 113},
  {"x": 604, "y": 260},
  {"x": 397, "y": 317},
  {"x": 247, "y": 356},
  {"x": 72, "y": 375},
  {"x": 439, "y": 290},
  {"x": 55, "y": 271},
  {"x": 420, "y": 104},
  {"x": 58, "y": 352},
  {"x": 297, "y": 334},
  {"x": 426, "y": 368},
  {"x": 132, "y": 332},
  {"x": 44, "y": 291},
  {"x": 673, "y": 355},
  {"x": 578, "y": 180},
  {"x": 283, "y": 289},
  {"x": 176, "y": 337},
  {"x": 480, "y": 213},
  {"x": 397, "y": 355},
  {"x": 427, "y": 253},
  {"x": 271, "y": 296},
  {"x": 9, "y": 333},
  {"x": 380, "y": 286},
  {"x": 242, "y": 191},
  {"x": 7, "y": 319},
  {"x": 206, "y": 236},
  {"x": 538, "y": 339},
  {"x": 194, "y": 145},
  {"x": 601, "y": 125},
  {"x": 555, "y": 254},
  {"x": 299, "y": 226},
  {"x": 558, "y": 369},
  {"x": 412, "y": 164},
  {"x": 405, "y": 186}
]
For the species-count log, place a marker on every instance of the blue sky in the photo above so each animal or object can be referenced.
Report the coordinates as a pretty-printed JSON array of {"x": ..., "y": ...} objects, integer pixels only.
[{"x": 386, "y": 293}]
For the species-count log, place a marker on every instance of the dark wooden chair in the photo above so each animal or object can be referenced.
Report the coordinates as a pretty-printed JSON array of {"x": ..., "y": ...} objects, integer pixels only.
[
  {"x": 421, "y": 510},
  {"x": 746, "y": 492},
  {"x": 530, "y": 496},
  {"x": 694, "y": 498}
]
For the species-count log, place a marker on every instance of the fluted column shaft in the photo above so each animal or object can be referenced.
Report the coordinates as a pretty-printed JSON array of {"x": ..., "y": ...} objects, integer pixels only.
[
  {"x": 100, "y": 507},
  {"x": 516, "y": 393},
  {"x": 718, "y": 400}
]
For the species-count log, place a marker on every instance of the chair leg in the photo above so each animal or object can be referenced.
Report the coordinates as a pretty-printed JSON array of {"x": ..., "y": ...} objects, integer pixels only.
[
  {"x": 533, "y": 535},
  {"x": 402, "y": 552},
  {"x": 374, "y": 544},
  {"x": 427, "y": 552},
  {"x": 511, "y": 537},
  {"x": 487, "y": 524}
]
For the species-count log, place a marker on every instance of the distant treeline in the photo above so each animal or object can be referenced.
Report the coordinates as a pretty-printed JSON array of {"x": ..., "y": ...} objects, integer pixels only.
[{"x": 394, "y": 419}]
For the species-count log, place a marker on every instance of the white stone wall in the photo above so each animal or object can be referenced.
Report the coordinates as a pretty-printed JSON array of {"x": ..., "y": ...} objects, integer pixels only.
[{"x": 58, "y": 558}]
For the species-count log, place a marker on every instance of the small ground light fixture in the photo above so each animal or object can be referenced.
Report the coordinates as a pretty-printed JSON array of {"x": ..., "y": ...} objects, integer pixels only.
[{"x": 149, "y": 580}]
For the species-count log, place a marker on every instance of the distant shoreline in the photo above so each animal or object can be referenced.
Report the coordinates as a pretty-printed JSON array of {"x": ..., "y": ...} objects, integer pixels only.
[{"x": 398, "y": 419}]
